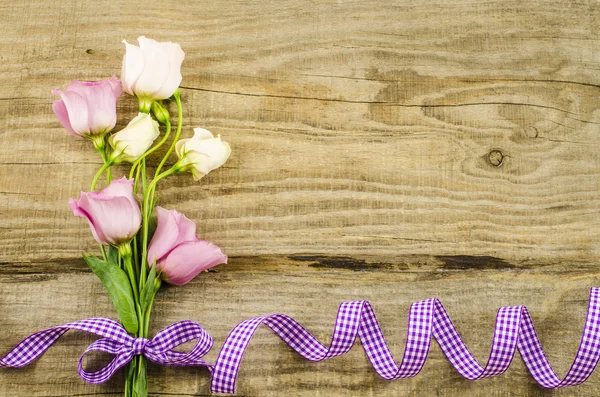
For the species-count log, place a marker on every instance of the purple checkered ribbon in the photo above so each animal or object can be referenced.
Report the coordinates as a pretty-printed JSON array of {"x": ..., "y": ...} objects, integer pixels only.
[
  {"x": 115, "y": 340},
  {"x": 514, "y": 330}
]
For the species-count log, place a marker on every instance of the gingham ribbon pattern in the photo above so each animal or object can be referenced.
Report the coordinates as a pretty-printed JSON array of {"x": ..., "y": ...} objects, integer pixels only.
[
  {"x": 115, "y": 340},
  {"x": 514, "y": 330}
]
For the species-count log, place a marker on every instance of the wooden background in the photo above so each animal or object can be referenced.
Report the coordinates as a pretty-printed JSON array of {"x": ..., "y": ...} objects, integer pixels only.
[{"x": 390, "y": 152}]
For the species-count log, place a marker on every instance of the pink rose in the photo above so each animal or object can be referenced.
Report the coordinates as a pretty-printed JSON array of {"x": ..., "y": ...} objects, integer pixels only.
[
  {"x": 88, "y": 108},
  {"x": 113, "y": 213},
  {"x": 178, "y": 253}
]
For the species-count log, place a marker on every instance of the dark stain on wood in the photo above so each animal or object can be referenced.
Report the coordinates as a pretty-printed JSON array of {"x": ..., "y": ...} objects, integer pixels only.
[
  {"x": 340, "y": 262},
  {"x": 561, "y": 208},
  {"x": 468, "y": 262},
  {"x": 44, "y": 268}
]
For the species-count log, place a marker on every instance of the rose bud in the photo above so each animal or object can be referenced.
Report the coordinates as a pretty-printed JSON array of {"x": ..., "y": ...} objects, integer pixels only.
[
  {"x": 113, "y": 213},
  {"x": 202, "y": 153},
  {"x": 151, "y": 71},
  {"x": 161, "y": 113},
  {"x": 179, "y": 255},
  {"x": 133, "y": 141},
  {"x": 88, "y": 109}
]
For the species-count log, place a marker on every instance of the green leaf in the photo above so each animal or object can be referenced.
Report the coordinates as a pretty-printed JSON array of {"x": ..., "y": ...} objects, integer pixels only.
[
  {"x": 149, "y": 290},
  {"x": 140, "y": 384},
  {"x": 117, "y": 284},
  {"x": 112, "y": 255}
]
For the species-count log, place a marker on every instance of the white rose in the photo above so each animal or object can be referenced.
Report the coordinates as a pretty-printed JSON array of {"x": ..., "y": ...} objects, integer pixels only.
[
  {"x": 151, "y": 71},
  {"x": 133, "y": 141},
  {"x": 202, "y": 153}
]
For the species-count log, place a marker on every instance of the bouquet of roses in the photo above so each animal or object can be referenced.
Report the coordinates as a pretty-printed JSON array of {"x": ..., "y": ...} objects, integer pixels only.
[{"x": 141, "y": 244}]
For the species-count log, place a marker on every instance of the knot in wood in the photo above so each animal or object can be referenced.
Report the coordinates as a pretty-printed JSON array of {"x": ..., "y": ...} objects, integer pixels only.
[{"x": 495, "y": 157}]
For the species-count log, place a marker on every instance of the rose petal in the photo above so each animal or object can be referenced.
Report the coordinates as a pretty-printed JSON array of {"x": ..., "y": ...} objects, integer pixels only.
[
  {"x": 201, "y": 133},
  {"x": 187, "y": 260},
  {"x": 133, "y": 65},
  {"x": 101, "y": 101},
  {"x": 156, "y": 68},
  {"x": 132, "y": 141},
  {"x": 115, "y": 84},
  {"x": 207, "y": 154},
  {"x": 78, "y": 211},
  {"x": 120, "y": 187},
  {"x": 180, "y": 148},
  {"x": 77, "y": 109},
  {"x": 114, "y": 218},
  {"x": 172, "y": 229},
  {"x": 175, "y": 55},
  {"x": 63, "y": 116}
]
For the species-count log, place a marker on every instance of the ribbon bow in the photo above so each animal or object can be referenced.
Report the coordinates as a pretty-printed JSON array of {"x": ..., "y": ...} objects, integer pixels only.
[
  {"x": 115, "y": 340},
  {"x": 427, "y": 319}
]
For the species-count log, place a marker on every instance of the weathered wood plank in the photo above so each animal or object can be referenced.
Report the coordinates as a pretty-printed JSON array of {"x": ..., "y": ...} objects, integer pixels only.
[
  {"x": 310, "y": 288},
  {"x": 366, "y": 137}
]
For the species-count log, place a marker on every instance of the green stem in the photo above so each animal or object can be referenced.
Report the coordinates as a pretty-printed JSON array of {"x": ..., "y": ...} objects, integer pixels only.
[
  {"x": 134, "y": 168},
  {"x": 101, "y": 148},
  {"x": 149, "y": 193},
  {"x": 147, "y": 317},
  {"x": 135, "y": 251},
  {"x": 125, "y": 252},
  {"x": 157, "y": 284},
  {"x": 129, "y": 379},
  {"x": 146, "y": 211},
  {"x": 103, "y": 253},
  {"x": 136, "y": 377},
  {"x": 143, "y": 270},
  {"x": 144, "y": 179},
  {"x": 108, "y": 171},
  {"x": 98, "y": 174},
  {"x": 135, "y": 366},
  {"x": 102, "y": 151},
  {"x": 145, "y": 104},
  {"x": 137, "y": 178},
  {"x": 177, "y": 133},
  {"x": 141, "y": 380}
]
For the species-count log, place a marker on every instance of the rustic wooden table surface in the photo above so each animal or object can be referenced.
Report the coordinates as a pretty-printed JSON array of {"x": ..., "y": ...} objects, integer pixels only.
[{"x": 382, "y": 152}]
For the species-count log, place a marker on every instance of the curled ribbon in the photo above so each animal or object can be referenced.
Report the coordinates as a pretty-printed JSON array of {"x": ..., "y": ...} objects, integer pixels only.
[{"x": 514, "y": 330}]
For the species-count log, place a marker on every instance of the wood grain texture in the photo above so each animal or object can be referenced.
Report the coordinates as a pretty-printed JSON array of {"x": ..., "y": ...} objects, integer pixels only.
[{"x": 384, "y": 151}]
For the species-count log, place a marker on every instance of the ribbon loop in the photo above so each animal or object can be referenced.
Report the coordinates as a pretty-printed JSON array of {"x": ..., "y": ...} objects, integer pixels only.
[
  {"x": 123, "y": 353},
  {"x": 160, "y": 348},
  {"x": 116, "y": 341},
  {"x": 427, "y": 319}
]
